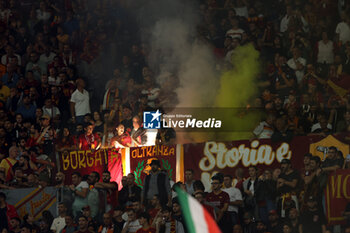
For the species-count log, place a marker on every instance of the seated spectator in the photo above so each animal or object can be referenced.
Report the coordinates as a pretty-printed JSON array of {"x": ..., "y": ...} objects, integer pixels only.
[
  {"x": 27, "y": 109},
  {"x": 107, "y": 226},
  {"x": 166, "y": 223},
  {"x": 133, "y": 224},
  {"x": 52, "y": 111},
  {"x": 83, "y": 225},
  {"x": 281, "y": 133},
  {"x": 117, "y": 218},
  {"x": 144, "y": 221},
  {"x": 70, "y": 226},
  {"x": 275, "y": 225},
  {"x": 59, "y": 223},
  {"x": 155, "y": 207}
]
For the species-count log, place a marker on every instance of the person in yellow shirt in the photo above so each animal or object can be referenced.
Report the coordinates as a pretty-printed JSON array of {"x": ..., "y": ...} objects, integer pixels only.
[
  {"x": 4, "y": 92},
  {"x": 7, "y": 163}
]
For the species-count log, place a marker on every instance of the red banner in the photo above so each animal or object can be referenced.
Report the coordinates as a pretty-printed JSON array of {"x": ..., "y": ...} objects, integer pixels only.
[
  {"x": 337, "y": 196},
  {"x": 212, "y": 157},
  {"x": 86, "y": 162},
  {"x": 141, "y": 158}
]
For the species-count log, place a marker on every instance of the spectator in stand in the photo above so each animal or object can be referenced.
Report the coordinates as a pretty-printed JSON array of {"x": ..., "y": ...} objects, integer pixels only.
[
  {"x": 93, "y": 198},
  {"x": 293, "y": 220},
  {"x": 7, "y": 163},
  {"x": 332, "y": 162},
  {"x": 265, "y": 129},
  {"x": 189, "y": 181},
  {"x": 15, "y": 225},
  {"x": 70, "y": 226},
  {"x": 27, "y": 109},
  {"x": 117, "y": 218},
  {"x": 80, "y": 189},
  {"x": 133, "y": 224},
  {"x": 65, "y": 140},
  {"x": 275, "y": 225},
  {"x": 155, "y": 207},
  {"x": 287, "y": 186},
  {"x": 107, "y": 226},
  {"x": 156, "y": 183},
  {"x": 129, "y": 192},
  {"x": 7, "y": 212},
  {"x": 138, "y": 133},
  {"x": 111, "y": 189},
  {"x": 236, "y": 199},
  {"x": 282, "y": 133},
  {"x": 313, "y": 218},
  {"x": 250, "y": 188},
  {"x": 79, "y": 102},
  {"x": 89, "y": 140},
  {"x": 83, "y": 225},
  {"x": 166, "y": 224},
  {"x": 220, "y": 201},
  {"x": 200, "y": 197},
  {"x": 144, "y": 219},
  {"x": 60, "y": 222}
]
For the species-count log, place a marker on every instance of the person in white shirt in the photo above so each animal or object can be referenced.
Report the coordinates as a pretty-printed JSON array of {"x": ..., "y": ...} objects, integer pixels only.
[
  {"x": 343, "y": 30},
  {"x": 80, "y": 102},
  {"x": 59, "y": 223},
  {"x": 265, "y": 128},
  {"x": 189, "y": 181},
  {"x": 5, "y": 59},
  {"x": 297, "y": 63},
  {"x": 80, "y": 189},
  {"x": 49, "y": 109},
  {"x": 236, "y": 199},
  {"x": 325, "y": 50},
  {"x": 235, "y": 31},
  {"x": 133, "y": 224}
]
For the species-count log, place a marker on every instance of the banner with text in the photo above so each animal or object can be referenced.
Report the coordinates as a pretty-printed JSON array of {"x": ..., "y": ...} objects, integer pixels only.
[
  {"x": 33, "y": 201},
  {"x": 87, "y": 161},
  {"x": 212, "y": 157},
  {"x": 337, "y": 196},
  {"x": 141, "y": 158}
]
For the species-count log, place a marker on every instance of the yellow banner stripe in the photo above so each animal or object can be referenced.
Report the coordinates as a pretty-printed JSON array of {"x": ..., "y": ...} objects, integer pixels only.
[{"x": 24, "y": 199}]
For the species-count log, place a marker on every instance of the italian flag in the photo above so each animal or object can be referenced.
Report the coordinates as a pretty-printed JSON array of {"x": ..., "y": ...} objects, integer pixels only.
[{"x": 197, "y": 219}]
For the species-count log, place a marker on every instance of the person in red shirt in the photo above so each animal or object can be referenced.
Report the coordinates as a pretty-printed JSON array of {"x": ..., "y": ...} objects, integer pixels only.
[
  {"x": 219, "y": 200},
  {"x": 89, "y": 140},
  {"x": 156, "y": 207},
  {"x": 144, "y": 221}
]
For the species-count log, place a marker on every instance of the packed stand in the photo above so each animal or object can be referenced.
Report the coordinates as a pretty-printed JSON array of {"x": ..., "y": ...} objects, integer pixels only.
[{"x": 253, "y": 200}]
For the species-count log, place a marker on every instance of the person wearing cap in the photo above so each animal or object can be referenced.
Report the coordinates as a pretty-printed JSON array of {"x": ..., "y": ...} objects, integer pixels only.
[
  {"x": 312, "y": 219},
  {"x": 156, "y": 183},
  {"x": 287, "y": 184}
]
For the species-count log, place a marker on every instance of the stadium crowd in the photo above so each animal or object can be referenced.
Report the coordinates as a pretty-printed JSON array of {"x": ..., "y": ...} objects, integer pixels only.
[{"x": 49, "y": 101}]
